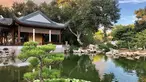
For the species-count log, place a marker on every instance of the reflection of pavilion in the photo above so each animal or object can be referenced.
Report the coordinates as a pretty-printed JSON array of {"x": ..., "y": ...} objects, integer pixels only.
[{"x": 33, "y": 27}]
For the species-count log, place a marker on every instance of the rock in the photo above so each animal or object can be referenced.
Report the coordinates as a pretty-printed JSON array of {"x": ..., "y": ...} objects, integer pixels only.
[
  {"x": 130, "y": 58},
  {"x": 76, "y": 51},
  {"x": 108, "y": 53},
  {"x": 137, "y": 57},
  {"x": 139, "y": 48}
]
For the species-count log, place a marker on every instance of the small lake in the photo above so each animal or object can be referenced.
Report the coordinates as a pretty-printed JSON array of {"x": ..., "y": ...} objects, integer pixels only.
[{"x": 98, "y": 68}]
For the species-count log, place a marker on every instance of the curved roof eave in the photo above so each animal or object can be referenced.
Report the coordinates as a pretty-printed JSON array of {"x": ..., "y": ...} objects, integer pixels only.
[{"x": 38, "y": 24}]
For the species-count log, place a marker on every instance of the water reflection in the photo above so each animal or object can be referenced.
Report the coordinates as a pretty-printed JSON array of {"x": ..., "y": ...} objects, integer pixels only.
[
  {"x": 109, "y": 66},
  {"x": 138, "y": 67},
  {"x": 12, "y": 74},
  {"x": 81, "y": 67},
  {"x": 94, "y": 68},
  {"x": 98, "y": 68}
]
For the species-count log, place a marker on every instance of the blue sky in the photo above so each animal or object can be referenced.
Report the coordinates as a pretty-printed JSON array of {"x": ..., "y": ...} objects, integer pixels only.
[{"x": 127, "y": 10}]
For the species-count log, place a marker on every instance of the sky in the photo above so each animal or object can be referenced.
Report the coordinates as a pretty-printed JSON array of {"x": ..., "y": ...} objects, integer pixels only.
[{"x": 127, "y": 8}]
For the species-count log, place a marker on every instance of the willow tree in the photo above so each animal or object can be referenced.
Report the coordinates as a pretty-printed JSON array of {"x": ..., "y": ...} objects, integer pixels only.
[{"x": 40, "y": 60}]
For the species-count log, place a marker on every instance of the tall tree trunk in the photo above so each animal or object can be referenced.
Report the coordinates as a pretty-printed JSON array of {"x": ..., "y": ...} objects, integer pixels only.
[{"x": 40, "y": 71}]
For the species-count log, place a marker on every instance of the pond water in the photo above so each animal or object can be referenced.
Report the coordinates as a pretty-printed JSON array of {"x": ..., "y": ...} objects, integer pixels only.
[
  {"x": 95, "y": 69},
  {"x": 102, "y": 69}
]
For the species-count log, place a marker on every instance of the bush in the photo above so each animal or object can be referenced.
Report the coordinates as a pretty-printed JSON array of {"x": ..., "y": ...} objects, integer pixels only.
[
  {"x": 73, "y": 47},
  {"x": 122, "y": 44},
  {"x": 106, "y": 46},
  {"x": 111, "y": 45}
]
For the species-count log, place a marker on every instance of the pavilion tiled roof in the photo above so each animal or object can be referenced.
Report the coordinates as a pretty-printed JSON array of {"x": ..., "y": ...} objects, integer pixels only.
[
  {"x": 6, "y": 21},
  {"x": 36, "y": 19}
]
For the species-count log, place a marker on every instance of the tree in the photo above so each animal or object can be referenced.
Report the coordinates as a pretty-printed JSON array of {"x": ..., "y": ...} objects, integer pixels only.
[
  {"x": 124, "y": 34},
  {"x": 51, "y": 10},
  {"x": 140, "y": 23},
  {"x": 105, "y": 13},
  {"x": 98, "y": 36},
  {"x": 39, "y": 58},
  {"x": 140, "y": 39},
  {"x": 90, "y": 15},
  {"x": 21, "y": 9},
  {"x": 5, "y": 11}
]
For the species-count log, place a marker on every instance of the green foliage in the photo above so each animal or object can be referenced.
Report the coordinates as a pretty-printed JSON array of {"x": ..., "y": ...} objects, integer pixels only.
[
  {"x": 124, "y": 35},
  {"x": 73, "y": 47},
  {"x": 50, "y": 73},
  {"x": 21, "y": 9},
  {"x": 111, "y": 45},
  {"x": 122, "y": 44},
  {"x": 39, "y": 58},
  {"x": 30, "y": 76},
  {"x": 5, "y": 11},
  {"x": 33, "y": 61},
  {"x": 53, "y": 58},
  {"x": 140, "y": 23},
  {"x": 140, "y": 39},
  {"x": 84, "y": 16},
  {"x": 108, "y": 78},
  {"x": 98, "y": 36},
  {"x": 106, "y": 46},
  {"x": 88, "y": 39}
]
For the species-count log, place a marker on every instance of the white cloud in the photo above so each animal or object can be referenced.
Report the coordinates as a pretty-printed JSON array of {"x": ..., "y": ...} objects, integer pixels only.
[
  {"x": 132, "y": 1},
  {"x": 126, "y": 20}
]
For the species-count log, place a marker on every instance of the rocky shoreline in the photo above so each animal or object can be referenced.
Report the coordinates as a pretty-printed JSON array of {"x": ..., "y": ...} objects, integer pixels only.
[{"x": 128, "y": 54}]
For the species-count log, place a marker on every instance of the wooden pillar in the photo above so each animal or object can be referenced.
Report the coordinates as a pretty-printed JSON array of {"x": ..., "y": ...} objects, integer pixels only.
[
  {"x": 19, "y": 41},
  {"x": 60, "y": 37},
  {"x": 33, "y": 35},
  {"x": 50, "y": 36}
]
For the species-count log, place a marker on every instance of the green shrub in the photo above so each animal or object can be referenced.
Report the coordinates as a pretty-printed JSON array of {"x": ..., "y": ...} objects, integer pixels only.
[
  {"x": 104, "y": 47},
  {"x": 73, "y": 47},
  {"x": 111, "y": 45},
  {"x": 122, "y": 44}
]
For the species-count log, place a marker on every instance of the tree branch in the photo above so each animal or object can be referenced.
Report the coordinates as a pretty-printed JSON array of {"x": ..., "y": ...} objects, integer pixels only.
[{"x": 72, "y": 31}]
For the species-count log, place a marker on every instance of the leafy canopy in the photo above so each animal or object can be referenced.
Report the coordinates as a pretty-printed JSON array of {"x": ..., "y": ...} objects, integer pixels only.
[{"x": 40, "y": 59}]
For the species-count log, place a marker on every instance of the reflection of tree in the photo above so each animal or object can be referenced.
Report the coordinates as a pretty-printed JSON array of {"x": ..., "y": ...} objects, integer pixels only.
[
  {"x": 108, "y": 78},
  {"x": 82, "y": 68},
  {"x": 138, "y": 65},
  {"x": 12, "y": 74}
]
